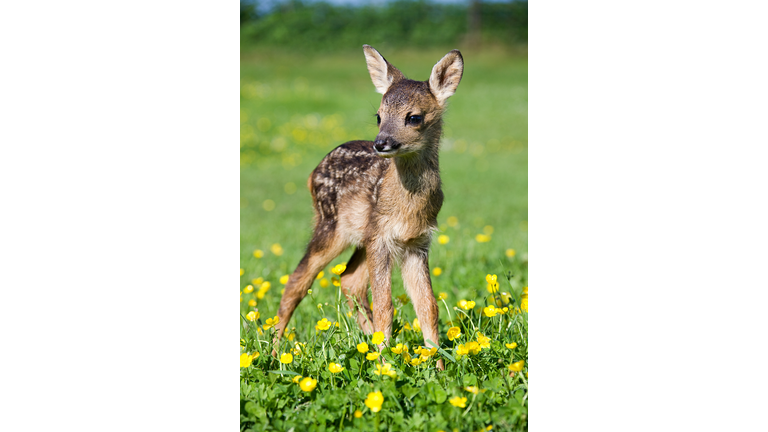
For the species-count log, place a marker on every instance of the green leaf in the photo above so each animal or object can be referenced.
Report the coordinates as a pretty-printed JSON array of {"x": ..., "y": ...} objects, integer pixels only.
[
  {"x": 283, "y": 372},
  {"x": 441, "y": 351}
]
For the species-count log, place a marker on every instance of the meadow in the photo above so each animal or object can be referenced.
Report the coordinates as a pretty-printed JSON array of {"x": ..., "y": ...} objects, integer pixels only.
[{"x": 295, "y": 108}]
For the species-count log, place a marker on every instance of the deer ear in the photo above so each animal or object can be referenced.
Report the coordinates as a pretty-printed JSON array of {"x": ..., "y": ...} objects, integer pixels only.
[
  {"x": 446, "y": 75},
  {"x": 382, "y": 73}
]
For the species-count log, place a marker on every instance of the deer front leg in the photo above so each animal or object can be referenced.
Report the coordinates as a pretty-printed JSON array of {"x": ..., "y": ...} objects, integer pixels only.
[
  {"x": 380, "y": 271},
  {"x": 418, "y": 285}
]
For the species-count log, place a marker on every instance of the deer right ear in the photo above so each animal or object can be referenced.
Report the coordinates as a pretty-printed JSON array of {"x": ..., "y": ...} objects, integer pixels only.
[
  {"x": 382, "y": 73},
  {"x": 446, "y": 76}
]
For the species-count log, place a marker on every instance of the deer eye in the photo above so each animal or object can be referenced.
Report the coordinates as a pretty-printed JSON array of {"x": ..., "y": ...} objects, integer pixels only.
[
  {"x": 413, "y": 120},
  {"x": 378, "y": 119}
]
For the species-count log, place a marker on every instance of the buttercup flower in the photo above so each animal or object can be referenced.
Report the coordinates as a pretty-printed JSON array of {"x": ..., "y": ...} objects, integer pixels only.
[
  {"x": 415, "y": 361},
  {"x": 335, "y": 281},
  {"x": 242, "y": 272},
  {"x": 339, "y": 269},
  {"x": 335, "y": 368},
  {"x": 437, "y": 271},
  {"x": 252, "y": 316},
  {"x": 490, "y": 311},
  {"x": 378, "y": 338},
  {"x": 358, "y": 413},
  {"x": 323, "y": 324},
  {"x": 466, "y": 305},
  {"x": 372, "y": 356},
  {"x": 252, "y": 303},
  {"x": 362, "y": 347},
  {"x": 286, "y": 358},
  {"x": 453, "y": 333},
  {"x": 510, "y": 253},
  {"x": 248, "y": 289},
  {"x": 442, "y": 296},
  {"x": 482, "y": 238},
  {"x": 284, "y": 279},
  {"x": 271, "y": 322},
  {"x": 512, "y": 345},
  {"x": 258, "y": 253},
  {"x": 374, "y": 401},
  {"x": 399, "y": 348},
  {"x": 276, "y": 249},
  {"x": 458, "y": 401},
  {"x": 385, "y": 370},
  {"x": 473, "y": 347},
  {"x": 324, "y": 283},
  {"x": 516, "y": 366},
  {"x": 308, "y": 384},
  {"x": 320, "y": 275},
  {"x": 258, "y": 281},
  {"x": 296, "y": 379},
  {"x": 472, "y": 389},
  {"x": 246, "y": 359},
  {"x": 443, "y": 239},
  {"x": 416, "y": 325},
  {"x": 484, "y": 341}
]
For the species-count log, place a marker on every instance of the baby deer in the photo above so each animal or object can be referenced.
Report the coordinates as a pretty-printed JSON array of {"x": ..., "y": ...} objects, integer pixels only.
[{"x": 383, "y": 198}]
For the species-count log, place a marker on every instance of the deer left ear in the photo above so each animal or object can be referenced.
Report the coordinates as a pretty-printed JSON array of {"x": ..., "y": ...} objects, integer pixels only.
[{"x": 446, "y": 75}]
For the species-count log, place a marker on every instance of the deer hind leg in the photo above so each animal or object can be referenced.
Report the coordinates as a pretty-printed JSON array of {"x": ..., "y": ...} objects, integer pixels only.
[
  {"x": 415, "y": 269},
  {"x": 354, "y": 284},
  {"x": 324, "y": 247}
]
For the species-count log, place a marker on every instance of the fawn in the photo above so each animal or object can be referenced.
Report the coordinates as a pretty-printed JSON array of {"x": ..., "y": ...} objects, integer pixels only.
[{"x": 383, "y": 198}]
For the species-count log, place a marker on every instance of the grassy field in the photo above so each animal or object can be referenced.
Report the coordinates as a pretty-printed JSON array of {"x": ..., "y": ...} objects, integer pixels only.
[{"x": 295, "y": 108}]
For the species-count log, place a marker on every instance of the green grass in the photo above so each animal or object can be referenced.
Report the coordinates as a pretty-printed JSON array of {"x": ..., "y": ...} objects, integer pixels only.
[{"x": 295, "y": 109}]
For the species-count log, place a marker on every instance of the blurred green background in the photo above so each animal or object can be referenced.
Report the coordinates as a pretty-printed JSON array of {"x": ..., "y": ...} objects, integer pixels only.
[{"x": 305, "y": 89}]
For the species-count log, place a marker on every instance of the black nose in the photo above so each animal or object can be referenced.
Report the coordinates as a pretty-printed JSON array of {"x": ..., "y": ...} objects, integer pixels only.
[
  {"x": 385, "y": 144},
  {"x": 380, "y": 145}
]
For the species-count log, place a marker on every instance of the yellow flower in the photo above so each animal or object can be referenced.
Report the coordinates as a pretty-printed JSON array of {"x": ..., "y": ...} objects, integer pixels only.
[
  {"x": 453, "y": 333},
  {"x": 472, "y": 389},
  {"x": 242, "y": 343},
  {"x": 517, "y": 366},
  {"x": 503, "y": 299},
  {"x": 416, "y": 325},
  {"x": 466, "y": 305},
  {"x": 484, "y": 341},
  {"x": 323, "y": 324},
  {"x": 524, "y": 304},
  {"x": 525, "y": 291},
  {"x": 362, "y": 347},
  {"x": 258, "y": 281},
  {"x": 460, "y": 350},
  {"x": 242, "y": 272},
  {"x": 415, "y": 361},
  {"x": 291, "y": 336},
  {"x": 374, "y": 401},
  {"x": 339, "y": 269},
  {"x": 378, "y": 338},
  {"x": 286, "y": 358},
  {"x": 271, "y": 322},
  {"x": 308, "y": 384},
  {"x": 297, "y": 348},
  {"x": 335, "y": 281},
  {"x": 324, "y": 283},
  {"x": 246, "y": 359},
  {"x": 458, "y": 401},
  {"x": 510, "y": 253},
  {"x": 248, "y": 289},
  {"x": 258, "y": 253},
  {"x": 296, "y": 379},
  {"x": 385, "y": 370},
  {"x": 493, "y": 287},
  {"x": 406, "y": 357},
  {"x": 452, "y": 221},
  {"x": 399, "y": 348},
  {"x": 284, "y": 279},
  {"x": 265, "y": 286},
  {"x": 320, "y": 275},
  {"x": 512, "y": 345},
  {"x": 252, "y": 303},
  {"x": 482, "y": 238},
  {"x": 443, "y": 239},
  {"x": 407, "y": 326},
  {"x": 372, "y": 355},
  {"x": 437, "y": 271},
  {"x": 276, "y": 249},
  {"x": 335, "y": 368},
  {"x": 252, "y": 315},
  {"x": 442, "y": 296},
  {"x": 490, "y": 311},
  {"x": 473, "y": 347},
  {"x": 358, "y": 413}
]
